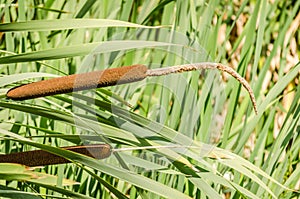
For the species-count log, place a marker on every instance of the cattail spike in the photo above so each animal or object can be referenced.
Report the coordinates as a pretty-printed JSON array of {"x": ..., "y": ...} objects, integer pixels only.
[
  {"x": 77, "y": 82},
  {"x": 110, "y": 77},
  {"x": 43, "y": 158}
]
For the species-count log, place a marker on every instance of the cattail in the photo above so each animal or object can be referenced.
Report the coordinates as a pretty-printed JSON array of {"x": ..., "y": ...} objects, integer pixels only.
[
  {"x": 110, "y": 77},
  {"x": 78, "y": 82},
  {"x": 43, "y": 158}
]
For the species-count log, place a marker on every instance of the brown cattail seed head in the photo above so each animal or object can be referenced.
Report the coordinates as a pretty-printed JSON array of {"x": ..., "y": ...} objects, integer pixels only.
[{"x": 77, "y": 82}]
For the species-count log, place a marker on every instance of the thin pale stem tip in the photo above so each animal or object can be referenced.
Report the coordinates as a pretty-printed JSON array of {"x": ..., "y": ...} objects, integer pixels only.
[{"x": 205, "y": 65}]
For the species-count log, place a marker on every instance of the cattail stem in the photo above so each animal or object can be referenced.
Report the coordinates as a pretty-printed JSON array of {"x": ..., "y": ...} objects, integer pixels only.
[
  {"x": 205, "y": 65},
  {"x": 110, "y": 77},
  {"x": 43, "y": 158}
]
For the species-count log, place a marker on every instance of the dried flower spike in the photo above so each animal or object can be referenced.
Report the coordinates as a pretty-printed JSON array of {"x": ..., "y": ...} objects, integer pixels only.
[
  {"x": 43, "y": 158},
  {"x": 110, "y": 77}
]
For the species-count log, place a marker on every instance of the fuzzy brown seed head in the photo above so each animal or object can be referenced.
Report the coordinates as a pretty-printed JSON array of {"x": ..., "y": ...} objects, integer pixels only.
[
  {"x": 43, "y": 158},
  {"x": 77, "y": 82}
]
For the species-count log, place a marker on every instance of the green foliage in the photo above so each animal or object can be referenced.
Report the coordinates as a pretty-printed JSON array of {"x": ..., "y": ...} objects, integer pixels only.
[{"x": 190, "y": 135}]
